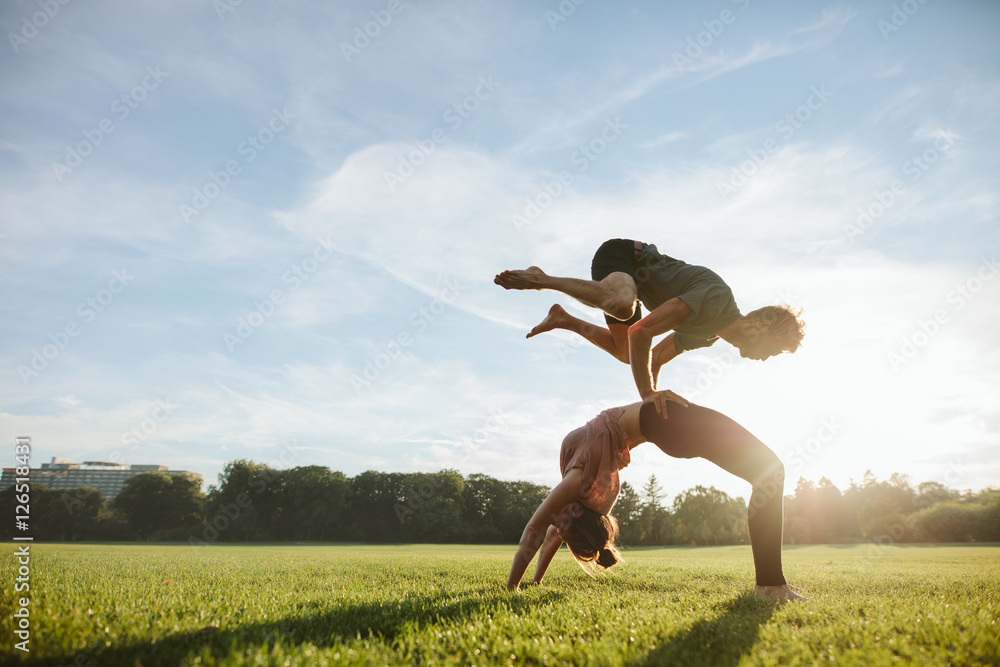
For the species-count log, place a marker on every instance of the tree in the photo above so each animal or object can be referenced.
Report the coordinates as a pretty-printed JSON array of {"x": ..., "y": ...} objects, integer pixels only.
[
  {"x": 975, "y": 519},
  {"x": 525, "y": 498},
  {"x": 818, "y": 514},
  {"x": 81, "y": 510},
  {"x": 709, "y": 516},
  {"x": 312, "y": 503},
  {"x": 652, "y": 493},
  {"x": 797, "y": 515},
  {"x": 58, "y": 514},
  {"x": 485, "y": 506},
  {"x": 946, "y": 522},
  {"x": 156, "y": 505},
  {"x": 652, "y": 515},
  {"x": 378, "y": 506},
  {"x": 882, "y": 508},
  {"x": 931, "y": 493},
  {"x": 436, "y": 507},
  {"x": 246, "y": 505},
  {"x": 628, "y": 513}
]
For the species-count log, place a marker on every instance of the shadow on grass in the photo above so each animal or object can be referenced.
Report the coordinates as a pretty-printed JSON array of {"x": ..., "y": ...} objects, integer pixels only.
[
  {"x": 720, "y": 641},
  {"x": 322, "y": 626}
]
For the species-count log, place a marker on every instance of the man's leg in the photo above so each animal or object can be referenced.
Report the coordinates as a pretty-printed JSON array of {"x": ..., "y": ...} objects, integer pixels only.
[
  {"x": 616, "y": 294},
  {"x": 613, "y": 340},
  {"x": 612, "y": 289}
]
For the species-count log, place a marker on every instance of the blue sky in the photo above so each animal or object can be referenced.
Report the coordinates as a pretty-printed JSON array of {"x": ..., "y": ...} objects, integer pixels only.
[{"x": 269, "y": 230}]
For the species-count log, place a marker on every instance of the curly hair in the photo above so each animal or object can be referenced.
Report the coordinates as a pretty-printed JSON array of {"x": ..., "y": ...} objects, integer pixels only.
[
  {"x": 785, "y": 324},
  {"x": 592, "y": 538}
]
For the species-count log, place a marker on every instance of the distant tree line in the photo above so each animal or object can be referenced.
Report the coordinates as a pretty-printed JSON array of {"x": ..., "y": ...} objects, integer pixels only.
[
  {"x": 253, "y": 502},
  {"x": 887, "y": 511}
]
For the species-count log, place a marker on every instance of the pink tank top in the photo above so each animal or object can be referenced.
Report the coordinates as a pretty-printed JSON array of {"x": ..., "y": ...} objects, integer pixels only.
[{"x": 598, "y": 448}]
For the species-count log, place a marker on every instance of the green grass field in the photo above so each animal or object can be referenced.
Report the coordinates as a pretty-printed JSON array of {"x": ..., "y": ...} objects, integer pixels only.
[{"x": 314, "y": 605}]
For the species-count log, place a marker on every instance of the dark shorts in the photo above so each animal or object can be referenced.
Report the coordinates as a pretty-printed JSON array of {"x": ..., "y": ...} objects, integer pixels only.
[{"x": 614, "y": 256}]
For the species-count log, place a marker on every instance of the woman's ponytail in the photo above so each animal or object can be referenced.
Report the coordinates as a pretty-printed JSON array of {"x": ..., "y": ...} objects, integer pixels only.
[{"x": 592, "y": 538}]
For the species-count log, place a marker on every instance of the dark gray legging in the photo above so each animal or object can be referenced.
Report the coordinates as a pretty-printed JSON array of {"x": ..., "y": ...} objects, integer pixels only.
[{"x": 695, "y": 431}]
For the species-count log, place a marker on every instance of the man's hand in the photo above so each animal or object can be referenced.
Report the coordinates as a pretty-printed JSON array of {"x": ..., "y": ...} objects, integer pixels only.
[{"x": 659, "y": 399}]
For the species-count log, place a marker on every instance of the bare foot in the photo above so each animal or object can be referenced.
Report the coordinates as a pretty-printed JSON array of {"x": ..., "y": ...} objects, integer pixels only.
[
  {"x": 784, "y": 593},
  {"x": 554, "y": 320},
  {"x": 529, "y": 278}
]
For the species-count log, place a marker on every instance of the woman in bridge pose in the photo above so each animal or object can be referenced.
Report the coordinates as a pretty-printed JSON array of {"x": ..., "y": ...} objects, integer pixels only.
[{"x": 578, "y": 510}]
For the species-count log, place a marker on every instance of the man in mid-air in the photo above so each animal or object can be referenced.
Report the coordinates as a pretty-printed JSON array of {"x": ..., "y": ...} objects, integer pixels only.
[{"x": 692, "y": 302}]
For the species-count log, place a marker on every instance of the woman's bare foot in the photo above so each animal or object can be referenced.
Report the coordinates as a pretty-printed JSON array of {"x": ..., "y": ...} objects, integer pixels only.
[
  {"x": 784, "y": 593},
  {"x": 529, "y": 278},
  {"x": 554, "y": 320}
]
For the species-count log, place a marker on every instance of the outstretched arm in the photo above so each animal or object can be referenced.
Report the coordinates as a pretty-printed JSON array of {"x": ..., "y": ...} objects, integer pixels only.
[
  {"x": 664, "y": 318},
  {"x": 533, "y": 536},
  {"x": 549, "y": 549}
]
